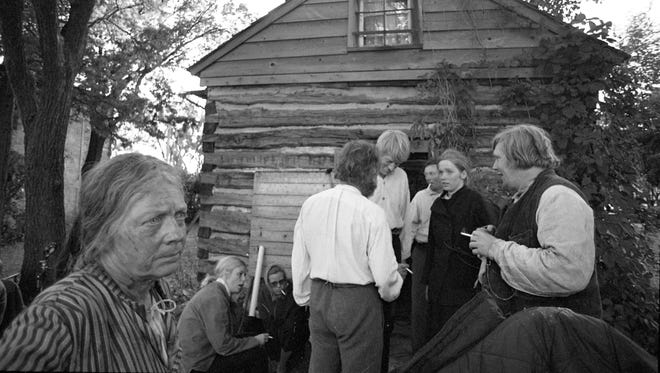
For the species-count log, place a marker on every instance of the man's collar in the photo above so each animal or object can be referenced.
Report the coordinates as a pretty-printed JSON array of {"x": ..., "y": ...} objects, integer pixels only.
[
  {"x": 433, "y": 191},
  {"x": 350, "y": 187}
]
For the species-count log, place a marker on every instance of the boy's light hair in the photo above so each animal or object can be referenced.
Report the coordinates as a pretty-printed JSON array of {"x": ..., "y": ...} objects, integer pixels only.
[{"x": 394, "y": 143}]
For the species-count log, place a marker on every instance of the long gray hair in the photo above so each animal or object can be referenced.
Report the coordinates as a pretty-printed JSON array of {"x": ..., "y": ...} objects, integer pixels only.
[{"x": 109, "y": 189}]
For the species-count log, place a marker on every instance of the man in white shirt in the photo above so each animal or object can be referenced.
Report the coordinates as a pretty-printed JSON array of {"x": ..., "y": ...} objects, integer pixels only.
[
  {"x": 543, "y": 251},
  {"x": 393, "y": 195},
  {"x": 415, "y": 240},
  {"x": 342, "y": 265}
]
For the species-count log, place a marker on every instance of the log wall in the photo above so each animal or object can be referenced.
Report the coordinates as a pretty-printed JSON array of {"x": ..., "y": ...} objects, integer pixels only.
[{"x": 296, "y": 129}]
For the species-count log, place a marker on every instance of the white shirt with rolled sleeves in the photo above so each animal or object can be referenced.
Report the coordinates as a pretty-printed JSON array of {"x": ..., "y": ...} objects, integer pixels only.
[
  {"x": 416, "y": 226},
  {"x": 393, "y": 195},
  {"x": 342, "y": 237},
  {"x": 564, "y": 263}
]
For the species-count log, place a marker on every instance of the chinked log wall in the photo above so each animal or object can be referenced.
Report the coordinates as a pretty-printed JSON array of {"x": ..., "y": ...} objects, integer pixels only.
[
  {"x": 300, "y": 128},
  {"x": 289, "y": 96}
]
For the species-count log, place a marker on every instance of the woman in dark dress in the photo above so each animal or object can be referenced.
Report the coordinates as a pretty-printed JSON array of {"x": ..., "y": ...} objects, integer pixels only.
[{"x": 451, "y": 270}]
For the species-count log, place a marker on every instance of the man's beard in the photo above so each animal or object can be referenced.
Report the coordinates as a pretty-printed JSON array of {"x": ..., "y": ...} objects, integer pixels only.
[{"x": 367, "y": 188}]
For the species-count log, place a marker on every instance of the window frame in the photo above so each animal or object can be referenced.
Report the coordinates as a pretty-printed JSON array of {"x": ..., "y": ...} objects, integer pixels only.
[{"x": 354, "y": 32}]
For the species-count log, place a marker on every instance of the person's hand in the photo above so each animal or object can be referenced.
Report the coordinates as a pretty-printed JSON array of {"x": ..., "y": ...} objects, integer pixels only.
[
  {"x": 262, "y": 338},
  {"x": 403, "y": 270},
  {"x": 482, "y": 270},
  {"x": 480, "y": 242}
]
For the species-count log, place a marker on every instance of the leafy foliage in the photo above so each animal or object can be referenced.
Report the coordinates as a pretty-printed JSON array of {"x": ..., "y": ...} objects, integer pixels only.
[
  {"x": 453, "y": 103},
  {"x": 599, "y": 142},
  {"x": 131, "y": 43}
]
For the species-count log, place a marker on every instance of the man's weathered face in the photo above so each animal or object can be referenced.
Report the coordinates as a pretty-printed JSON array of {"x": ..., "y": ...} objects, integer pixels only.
[
  {"x": 278, "y": 283},
  {"x": 432, "y": 177},
  {"x": 152, "y": 233},
  {"x": 387, "y": 165},
  {"x": 504, "y": 166}
]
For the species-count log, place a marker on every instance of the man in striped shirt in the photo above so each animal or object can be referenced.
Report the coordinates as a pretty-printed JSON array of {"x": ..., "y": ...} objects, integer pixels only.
[{"x": 113, "y": 313}]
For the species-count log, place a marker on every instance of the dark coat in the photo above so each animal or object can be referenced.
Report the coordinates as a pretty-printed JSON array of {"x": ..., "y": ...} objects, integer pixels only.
[
  {"x": 287, "y": 323},
  {"x": 451, "y": 269},
  {"x": 539, "y": 339}
]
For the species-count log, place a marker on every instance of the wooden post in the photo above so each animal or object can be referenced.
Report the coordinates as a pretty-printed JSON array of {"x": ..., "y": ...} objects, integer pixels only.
[{"x": 257, "y": 280}]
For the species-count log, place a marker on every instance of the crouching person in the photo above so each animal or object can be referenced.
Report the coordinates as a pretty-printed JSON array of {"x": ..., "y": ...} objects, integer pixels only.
[
  {"x": 208, "y": 327},
  {"x": 285, "y": 321}
]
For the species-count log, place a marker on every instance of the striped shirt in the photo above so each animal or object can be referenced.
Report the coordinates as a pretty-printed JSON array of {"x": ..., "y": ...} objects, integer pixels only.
[{"x": 86, "y": 323}]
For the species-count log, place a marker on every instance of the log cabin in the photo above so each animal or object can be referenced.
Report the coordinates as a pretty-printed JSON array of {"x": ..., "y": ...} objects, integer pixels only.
[{"x": 288, "y": 91}]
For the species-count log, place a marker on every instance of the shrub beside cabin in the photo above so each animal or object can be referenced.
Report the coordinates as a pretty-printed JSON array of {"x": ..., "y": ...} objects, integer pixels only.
[{"x": 284, "y": 94}]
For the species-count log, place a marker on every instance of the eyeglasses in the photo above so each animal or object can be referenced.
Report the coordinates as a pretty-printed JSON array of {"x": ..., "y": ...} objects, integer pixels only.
[
  {"x": 164, "y": 306},
  {"x": 280, "y": 283}
]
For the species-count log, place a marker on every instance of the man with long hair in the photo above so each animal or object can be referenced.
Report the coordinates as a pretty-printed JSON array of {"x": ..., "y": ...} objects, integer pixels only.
[{"x": 543, "y": 251}]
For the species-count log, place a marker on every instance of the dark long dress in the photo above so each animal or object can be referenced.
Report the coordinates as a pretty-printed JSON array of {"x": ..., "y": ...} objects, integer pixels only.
[{"x": 451, "y": 269}]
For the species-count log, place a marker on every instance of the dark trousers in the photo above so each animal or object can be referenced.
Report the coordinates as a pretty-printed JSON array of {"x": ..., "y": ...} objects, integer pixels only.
[
  {"x": 389, "y": 309},
  {"x": 419, "y": 305},
  {"x": 345, "y": 324},
  {"x": 254, "y": 360}
]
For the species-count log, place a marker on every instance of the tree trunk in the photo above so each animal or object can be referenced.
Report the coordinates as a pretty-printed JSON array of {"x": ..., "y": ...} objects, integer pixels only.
[
  {"x": 45, "y": 120},
  {"x": 95, "y": 149},
  {"x": 6, "y": 110},
  {"x": 44, "y": 184}
]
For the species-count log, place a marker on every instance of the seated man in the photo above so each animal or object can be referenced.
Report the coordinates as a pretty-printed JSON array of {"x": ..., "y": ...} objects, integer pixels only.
[{"x": 285, "y": 321}]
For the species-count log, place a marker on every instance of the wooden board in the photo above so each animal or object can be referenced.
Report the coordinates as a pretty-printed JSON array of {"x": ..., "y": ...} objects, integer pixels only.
[
  {"x": 268, "y": 159},
  {"x": 228, "y": 197},
  {"x": 475, "y": 20},
  {"x": 315, "y": 95},
  {"x": 370, "y": 76},
  {"x": 288, "y": 48},
  {"x": 482, "y": 39},
  {"x": 283, "y": 191},
  {"x": 229, "y": 179},
  {"x": 226, "y": 221},
  {"x": 290, "y": 137},
  {"x": 346, "y": 116},
  {"x": 302, "y": 30},
  {"x": 457, "y": 5},
  {"x": 406, "y": 59},
  {"x": 227, "y": 246},
  {"x": 317, "y": 12}
]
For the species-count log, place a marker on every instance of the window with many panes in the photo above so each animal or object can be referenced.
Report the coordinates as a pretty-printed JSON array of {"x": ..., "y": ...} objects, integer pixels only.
[{"x": 385, "y": 23}]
